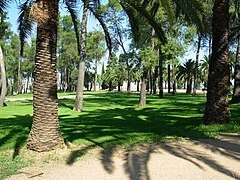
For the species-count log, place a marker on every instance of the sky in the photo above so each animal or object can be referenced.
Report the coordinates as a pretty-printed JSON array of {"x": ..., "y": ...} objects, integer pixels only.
[{"x": 13, "y": 13}]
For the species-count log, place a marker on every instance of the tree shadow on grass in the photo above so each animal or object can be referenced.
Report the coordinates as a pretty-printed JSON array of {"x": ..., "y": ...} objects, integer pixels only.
[
  {"x": 107, "y": 128},
  {"x": 15, "y": 132}
]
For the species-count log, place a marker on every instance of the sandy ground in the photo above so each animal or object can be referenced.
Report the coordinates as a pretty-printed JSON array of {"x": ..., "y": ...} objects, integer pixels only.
[{"x": 201, "y": 159}]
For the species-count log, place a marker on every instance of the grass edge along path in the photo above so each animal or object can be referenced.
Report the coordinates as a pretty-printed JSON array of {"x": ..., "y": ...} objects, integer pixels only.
[{"x": 108, "y": 120}]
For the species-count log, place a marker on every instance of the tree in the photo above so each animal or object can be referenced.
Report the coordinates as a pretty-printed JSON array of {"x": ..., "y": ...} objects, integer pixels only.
[
  {"x": 3, "y": 79},
  {"x": 45, "y": 133},
  {"x": 95, "y": 50},
  {"x": 217, "y": 108},
  {"x": 81, "y": 71},
  {"x": 186, "y": 71},
  {"x": 3, "y": 30}
]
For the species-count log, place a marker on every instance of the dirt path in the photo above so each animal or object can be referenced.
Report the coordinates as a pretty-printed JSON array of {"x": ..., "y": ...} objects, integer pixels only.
[{"x": 201, "y": 159}]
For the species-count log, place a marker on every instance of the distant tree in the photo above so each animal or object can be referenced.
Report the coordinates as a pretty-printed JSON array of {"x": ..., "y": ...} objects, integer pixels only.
[{"x": 186, "y": 71}]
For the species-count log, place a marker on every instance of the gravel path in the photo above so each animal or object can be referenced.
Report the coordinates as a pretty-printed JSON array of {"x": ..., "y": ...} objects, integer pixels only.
[{"x": 201, "y": 159}]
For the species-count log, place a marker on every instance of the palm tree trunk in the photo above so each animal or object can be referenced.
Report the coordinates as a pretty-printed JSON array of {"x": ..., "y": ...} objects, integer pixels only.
[
  {"x": 3, "y": 76},
  {"x": 143, "y": 95},
  {"x": 80, "y": 85},
  {"x": 45, "y": 133},
  {"x": 217, "y": 108},
  {"x": 236, "y": 88},
  {"x": 160, "y": 74},
  {"x": 196, "y": 65}
]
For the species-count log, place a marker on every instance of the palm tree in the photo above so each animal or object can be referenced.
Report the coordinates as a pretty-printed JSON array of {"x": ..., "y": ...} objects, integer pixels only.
[
  {"x": 235, "y": 34},
  {"x": 45, "y": 133},
  {"x": 186, "y": 71},
  {"x": 3, "y": 89},
  {"x": 80, "y": 85},
  {"x": 217, "y": 108},
  {"x": 94, "y": 7}
]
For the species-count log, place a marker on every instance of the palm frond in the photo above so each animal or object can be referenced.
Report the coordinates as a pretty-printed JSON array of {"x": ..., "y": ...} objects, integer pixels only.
[
  {"x": 98, "y": 16},
  {"x": 192, "y": 10},
  {"x": 71, "y": 6},
  {"x": 24, "y": 24},
  {"x": 3, "y": 5},
  {"x": 167, "y": 5},
  {"x": 142, "y": 10},
  {"x": 133, "y": 20}
]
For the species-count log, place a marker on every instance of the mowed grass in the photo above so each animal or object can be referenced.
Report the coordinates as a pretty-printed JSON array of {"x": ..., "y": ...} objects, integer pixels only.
[{"x": 111, "y": 119}]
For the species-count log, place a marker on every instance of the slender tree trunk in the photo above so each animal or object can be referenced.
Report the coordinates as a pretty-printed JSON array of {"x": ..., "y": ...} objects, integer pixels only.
[
  {"x": 169, "y": 78},
  {"x": 174, "y": 80},
  {"x": 19, "y": 75},
  {"x": 80, "y": 85},
  {"x": 151, "y": 81},
  {"x": 3, "y": 77},
  {"x": 160, "y": 73},
  {"x": 154, "y": 80},
  {"x": 236, "y": 88},
  {"x": 65, "y": 79},
  {"x": 217, "y": 108},
  {"x": 196, "y": 65},
  {"x": 119, "y": 86},
  {"x": 95, "y": 75},
  {"x": 143, "y": 95},
  {"x": 26, "y": 89},
  {"x": 45, "y": 133},
  {"x": 138, "y": 82}
]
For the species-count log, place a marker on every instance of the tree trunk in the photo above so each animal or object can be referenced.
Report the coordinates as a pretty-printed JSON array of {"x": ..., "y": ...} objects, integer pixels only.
[
  {"x": 3, "y": 77},
  {"x": 196, "y": 65},
  {"x": 119, "y": 86},
  {"x": 174, "y": 80},
  {"x": 155, "y": 79},
  {"x": 236, "y": 88},
  {"x": 80, "y": 85},
  {"x": 169, "y": 78},
  {"x": 160, "y": 74},
  {"x": 138, "y": 82},
  {"x": 95, "y": 76},
  {"x": 217, "y": 108},
  {"x": 188, "y": 91},
  {"x": 151, "y": 81},
  {"x": 19, "y": 75},
  {"x": 65, "y": 78},
  {"x": 45, "y": 133},
  {"x": 143, "y": 95}
]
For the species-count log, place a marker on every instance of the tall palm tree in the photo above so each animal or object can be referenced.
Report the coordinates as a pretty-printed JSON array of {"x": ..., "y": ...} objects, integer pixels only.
[
  {"x": 80, "y": 85},
  {"x": 235, "y": 36},
  {"x": 3, "y": 89},
  {"x": 45, "y": 133},
  {"x": 186, "y": 71},
  {"x": 217, "y": 108}
]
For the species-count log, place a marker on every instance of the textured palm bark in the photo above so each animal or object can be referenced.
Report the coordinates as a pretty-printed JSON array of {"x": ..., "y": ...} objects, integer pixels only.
[
  {"x": 80, "y": 85},
  {"x": 3, "y": 90},
  {"x": 236, "y": 89},
  {"x": 142, "y": 101},
  {"x": 217, "y": 108},
  {"x": 45, "y": 133}
]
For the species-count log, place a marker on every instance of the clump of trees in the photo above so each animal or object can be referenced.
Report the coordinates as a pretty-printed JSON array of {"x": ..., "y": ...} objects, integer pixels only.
[{"x": 145, "y": 39}]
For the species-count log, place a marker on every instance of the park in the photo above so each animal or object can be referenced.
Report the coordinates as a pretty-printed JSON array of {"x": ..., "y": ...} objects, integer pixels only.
[{"x": 120, "y": 89}]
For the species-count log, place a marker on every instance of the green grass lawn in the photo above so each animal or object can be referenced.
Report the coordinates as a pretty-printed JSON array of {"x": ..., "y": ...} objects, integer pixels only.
[
  {"x": 111, "y": 119},
  {"x": 60, "y": 94}
]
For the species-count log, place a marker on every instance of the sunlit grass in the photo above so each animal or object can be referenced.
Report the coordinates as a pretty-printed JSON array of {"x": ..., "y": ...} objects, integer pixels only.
[{"x": 114, "y": 119}]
